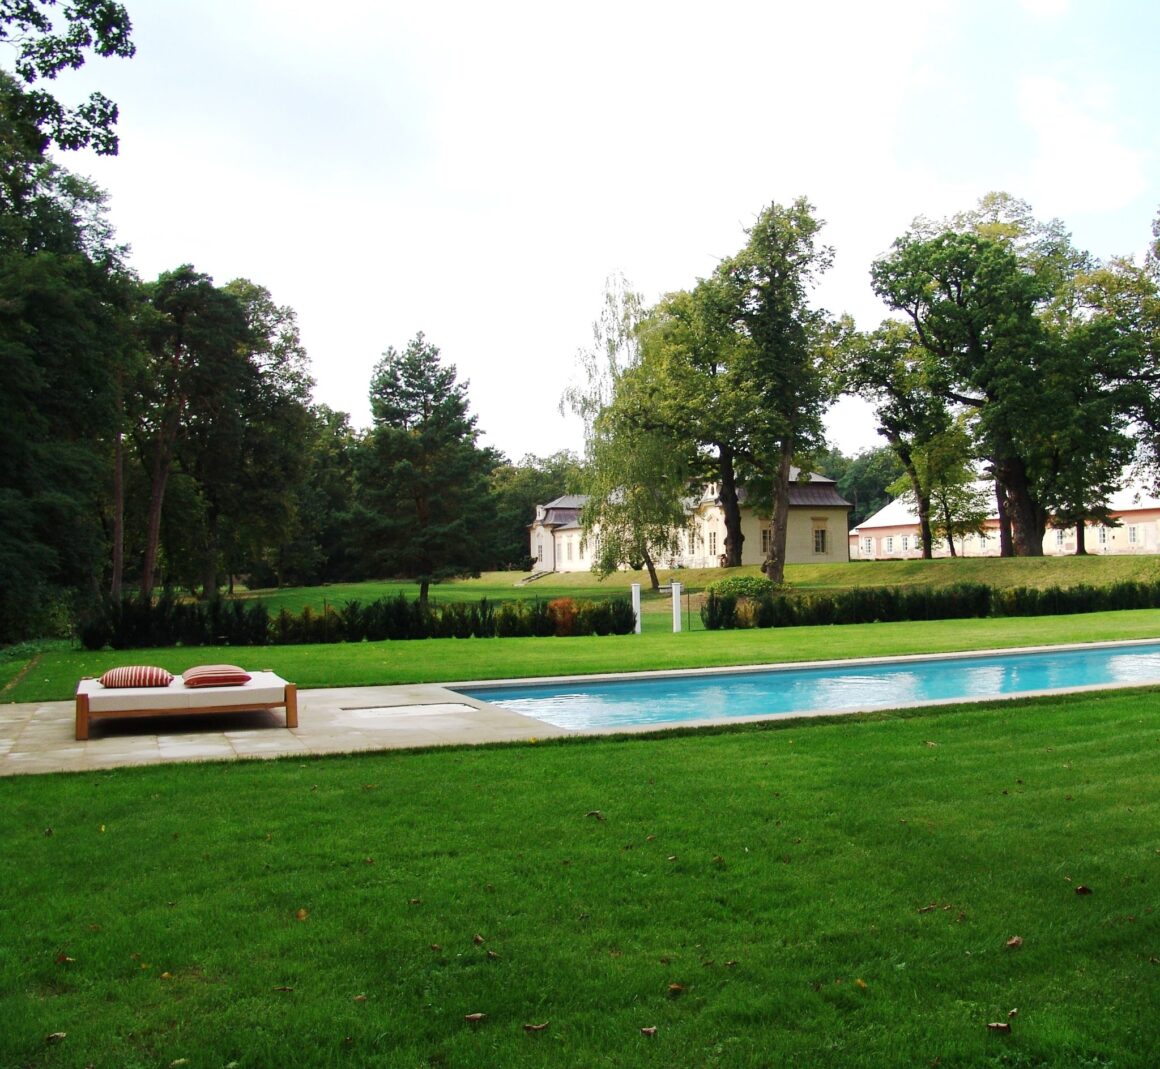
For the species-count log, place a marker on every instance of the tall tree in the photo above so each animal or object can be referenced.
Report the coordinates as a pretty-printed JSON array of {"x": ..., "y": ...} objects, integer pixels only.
[
  {"x": 889, "y": 368},
  {"x": 424, "y": 506},
  {"x": 196, "y": 338},
  {"x": 770, "y": 281},
  {"x": 63, "y": 333},
  {"x": 973, "y": 309},
  {"x": 693, "y": 388},
  {"x": 43, "y": 51}
]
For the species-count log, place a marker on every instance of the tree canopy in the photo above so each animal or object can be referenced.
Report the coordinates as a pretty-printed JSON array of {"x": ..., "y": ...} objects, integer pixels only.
[{"x": 45, "y": 48}]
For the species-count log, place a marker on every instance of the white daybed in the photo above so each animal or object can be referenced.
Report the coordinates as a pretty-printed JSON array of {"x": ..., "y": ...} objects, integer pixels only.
[{"x": 265, "y": 690}]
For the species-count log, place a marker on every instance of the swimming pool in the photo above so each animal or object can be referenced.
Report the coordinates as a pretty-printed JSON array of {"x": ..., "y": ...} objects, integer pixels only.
[{"x": 734, "y": 694}]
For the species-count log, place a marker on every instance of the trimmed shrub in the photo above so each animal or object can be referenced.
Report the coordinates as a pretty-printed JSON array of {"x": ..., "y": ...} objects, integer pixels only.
[
  {"x": 719, "y": 611},
  {"x": 742, "y": 586}
]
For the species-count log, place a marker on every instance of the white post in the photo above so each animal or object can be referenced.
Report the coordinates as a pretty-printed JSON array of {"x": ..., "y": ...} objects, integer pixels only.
[
  {"x": 676, "y": 607},
  {"x": 636, "y": 606}
]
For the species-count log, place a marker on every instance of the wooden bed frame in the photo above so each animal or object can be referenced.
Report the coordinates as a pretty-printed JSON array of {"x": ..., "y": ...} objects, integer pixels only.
[{"x": 265, "y": 690}]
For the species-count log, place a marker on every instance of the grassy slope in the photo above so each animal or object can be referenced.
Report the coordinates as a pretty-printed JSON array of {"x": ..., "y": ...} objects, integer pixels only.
[
  {"x": 999, "y": 572},
  {"x": 833, "y": 894}
]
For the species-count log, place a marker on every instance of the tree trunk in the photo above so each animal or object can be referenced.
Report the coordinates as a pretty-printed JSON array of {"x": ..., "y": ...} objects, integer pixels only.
[
  {"x": 774, "y": 565},
  {"x": 921, "y": 496},
  {"x": 158, "y": 477},
  {"x": 1028, "y": 519},
  {"x": 424, "y": 587},
  {"x": 731, "y": 508},
  {"x": 1006, "y": 546},
  {"x": 652, "y": 570},
  {"x": 118, "y": 576},
  {"x": 1080, "y": 540}
]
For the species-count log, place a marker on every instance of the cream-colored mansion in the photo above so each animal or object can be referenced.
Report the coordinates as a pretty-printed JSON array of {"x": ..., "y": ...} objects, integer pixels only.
[{"x": 816, "y": 535}]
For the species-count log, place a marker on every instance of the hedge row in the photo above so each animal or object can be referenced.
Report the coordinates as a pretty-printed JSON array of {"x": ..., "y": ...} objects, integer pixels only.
[
  {"x": 885, "y": 604},
  {"x": 167, "y": 622}
]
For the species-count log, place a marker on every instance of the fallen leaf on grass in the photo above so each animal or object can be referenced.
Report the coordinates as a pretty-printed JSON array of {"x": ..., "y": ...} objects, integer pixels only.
[
  {"x": 1081, "y": 889},
  {"x": 493, "y": 955},
  {"x": 166, "y": 976},
  {"x": 675, "y": 990},
  {"x": 360, "y": 998},
  {"x": 415, "y": 902},
  {"x": 48, "y": 833},
  {"x": 437, "y": 948},
  {"x": 595, "y": 813},
  {"x": 283, "y": 988},
  {"x": 1015, "y": 942},
  {"x": 861, "y": 984},
  {"x": 930, "y": 743},
  {"x": 999, "y": 1026},
  {"x": 1013, "y": 1013},
  {"x": 301, "y": 914},
  {"x": 63, "y": 959},
  {"x": 650, "y": 1031},
  {"x": 474, "y": 1018},
  {"x": 477, "y": 939},
  {"x": 536, "y": 1027},
  {"x": 55, "y": 1037}
]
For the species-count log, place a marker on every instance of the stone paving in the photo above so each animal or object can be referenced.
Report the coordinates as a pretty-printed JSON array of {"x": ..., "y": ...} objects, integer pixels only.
[{"x": 39, "y": 736}]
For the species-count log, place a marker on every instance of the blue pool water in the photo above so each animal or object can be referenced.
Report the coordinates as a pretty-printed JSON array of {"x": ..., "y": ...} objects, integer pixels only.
[{"x": 677, "y": 699}]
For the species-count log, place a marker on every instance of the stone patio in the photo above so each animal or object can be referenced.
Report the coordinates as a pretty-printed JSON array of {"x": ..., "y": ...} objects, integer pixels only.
[{"x": 39, "y": 736}]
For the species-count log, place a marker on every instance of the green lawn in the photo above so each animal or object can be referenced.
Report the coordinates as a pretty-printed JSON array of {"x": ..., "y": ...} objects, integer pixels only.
[
  {"x": 52, "y": 674},
  {"x": 834, "y": 893}
]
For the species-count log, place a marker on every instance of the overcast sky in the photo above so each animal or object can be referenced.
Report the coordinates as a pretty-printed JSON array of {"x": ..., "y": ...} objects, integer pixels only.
[{"x": 476, "y": 171}]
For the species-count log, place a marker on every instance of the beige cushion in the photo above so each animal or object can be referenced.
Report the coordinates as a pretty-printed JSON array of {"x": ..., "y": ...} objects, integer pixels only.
[{"x": 264, "y": 688}]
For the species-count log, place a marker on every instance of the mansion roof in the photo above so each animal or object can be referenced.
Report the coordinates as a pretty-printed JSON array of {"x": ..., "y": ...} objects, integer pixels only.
[{"x": 815, "y": 491}]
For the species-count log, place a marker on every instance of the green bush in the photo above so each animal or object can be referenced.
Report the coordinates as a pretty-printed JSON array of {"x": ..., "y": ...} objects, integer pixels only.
[
  {"x": 719, "y": 611},
  {"x": 742, "y": 586}
]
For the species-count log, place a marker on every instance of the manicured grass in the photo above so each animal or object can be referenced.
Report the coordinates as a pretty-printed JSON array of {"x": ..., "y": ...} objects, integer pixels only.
[
  {"x": 53, "y": 674},
  {"x": 834, "y": 893}
]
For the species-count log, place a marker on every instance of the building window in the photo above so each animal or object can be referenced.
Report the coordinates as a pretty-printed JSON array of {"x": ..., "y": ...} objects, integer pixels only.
[
  {"x": 1133, "y": 535},
  {"x": 540, "y": 550},
  {"x": 868, "y": 546},
  {"x": 766, "y": 536},
  {"x": 905, "y": 543},
  {"x": 569, "y": 549},
  {"x": 1102, "y": 535},
  {"x": 712, "y": 543},
  {"x": 982, "y": 541},
  {"x": 819, "y": 540},
  {"x": 1059, "y": 536},
  {"x": 889, "y": 543}
]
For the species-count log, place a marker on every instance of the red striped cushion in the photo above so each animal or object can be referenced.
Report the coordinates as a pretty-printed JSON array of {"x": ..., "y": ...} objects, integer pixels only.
[
  {"x": 215, "y": 675},
  {"x": 137, "y": 675}
]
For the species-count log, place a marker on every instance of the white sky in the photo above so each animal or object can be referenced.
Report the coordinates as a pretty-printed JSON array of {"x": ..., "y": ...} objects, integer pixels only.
[{"x": 476, "y": 171}]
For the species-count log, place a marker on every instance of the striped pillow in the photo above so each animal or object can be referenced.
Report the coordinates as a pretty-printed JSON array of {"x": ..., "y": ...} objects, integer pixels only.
[
  {"x": 138, "y": 675},
  {"x": 215, "y": 675}
]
